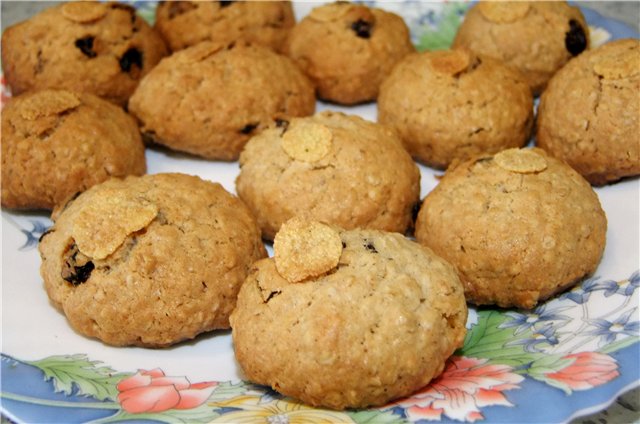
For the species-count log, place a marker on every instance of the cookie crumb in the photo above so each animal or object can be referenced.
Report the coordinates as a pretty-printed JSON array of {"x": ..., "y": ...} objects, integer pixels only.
[
  {"x": 304, "y": 249},
  {"x": 84, "y": 11},
  {"x": 450, "y": 62},
  {"x": 521, "y": 161},
  {"x": 307, "y": 141},
  {"x": 503, "y": 12},
  {"x": 105, "y": 224},
  {"x": 47, "y": 103}
]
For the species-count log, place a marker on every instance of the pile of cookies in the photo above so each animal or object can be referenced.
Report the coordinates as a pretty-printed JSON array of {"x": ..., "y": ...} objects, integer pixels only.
[{"x": 348, "y": 298}]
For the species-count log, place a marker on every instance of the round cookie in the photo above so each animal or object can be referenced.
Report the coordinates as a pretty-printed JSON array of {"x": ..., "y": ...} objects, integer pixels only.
[
  {"x": 589, "y": 116},
  {"x": 100, "y": 48},
  {"x": 149, "y": 261},
  {"x": 185, "y": 23},
  {"x": 330, "y": 167},
  {"x": 519, "y": 226},
  {"x": 536, "y": 37},
  {"x": 56, "y": 143},
  {"x": 453, "y": 104},
  {"x": 209, "y": 99},
  {"x": 377, "y": 325},
  {"x": 348, "y": 49}
]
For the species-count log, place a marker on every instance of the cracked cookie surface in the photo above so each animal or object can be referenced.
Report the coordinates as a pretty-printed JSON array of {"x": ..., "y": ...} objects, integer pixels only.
[
  {"x": 100, "y": 48},
  {"x": 56, "y": 143},
  {"x": 519, "y": 226},
  {"x": 589, "y": 116},
  {"x": 211, "y": 98},
  {"x": 149, "y": 261},
  {"x": 331, "y": 167},
  {"x": 453, "y": 104},
  {"x": 376, "y": 327},
  {"x": 185, "y": 23}
]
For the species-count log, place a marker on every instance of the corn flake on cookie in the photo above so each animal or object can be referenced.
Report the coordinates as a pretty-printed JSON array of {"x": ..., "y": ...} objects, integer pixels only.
[
  {"x": 367, "y": 317},
  {"x": 332, "y": 167},
  {"x": 348, "y": 49},
  {"x": 56, "y": 143},
  {"x": 100, "y": 48},
  {"x": 454, "y": 104},
  {"x": 519, "y": 226},
  {"x": 536, "y": 37},
  {"x": 185, "y": 23},
  {"x": 589, "y": 116},
  {"x": 149, "y": 261},
  {"x": 211, "y": 98}
]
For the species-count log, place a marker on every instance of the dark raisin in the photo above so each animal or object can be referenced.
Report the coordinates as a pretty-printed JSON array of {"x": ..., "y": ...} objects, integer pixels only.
[
  {"x": 415, "y": 210},
  {"x": 575, "y": 40},
  {"x": 370, "y": 247},
  {"x": 226, "y": 3},
  {"x": 80, "y": 274},
  {"x": 362, "y": 28},
  {"x": 282, "y": 123},
  {"x": 131, "y": 57},
  {"x": 86, "y": 46},
  {"x": 344, "y": 245},
  {"x": 248, "y": 129}
]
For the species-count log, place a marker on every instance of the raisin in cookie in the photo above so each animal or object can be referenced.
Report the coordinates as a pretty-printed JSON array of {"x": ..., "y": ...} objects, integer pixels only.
[
  {"x": 453, "y": 104},
  {"x": 209, "y": 99},
  {"x": 520, "y": 226},
  {"x": 100, "y": 48},
  {"x": 57, "y": 142},
  {"x": 331, "y": 167},
  {"x": 348, "y": 49},
  {"x": 367, "y": 317},
  {"x": 536, "y": 37},
  {"x": 185, "y": 23},
  {"x": 589, "y": 116},
  {"x": 149, "y": 261}
]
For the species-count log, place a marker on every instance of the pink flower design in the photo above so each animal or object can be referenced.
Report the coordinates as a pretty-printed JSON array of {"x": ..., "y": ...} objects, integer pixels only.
[
  {"x": 152, "y": 391},
  {"x": 588, "y": 370},
  {"x": 465, "y": 386}
]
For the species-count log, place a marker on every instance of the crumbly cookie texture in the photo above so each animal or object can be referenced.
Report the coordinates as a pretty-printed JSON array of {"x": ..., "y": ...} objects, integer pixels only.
[
  {"x": 536, "y": 37},
  {"x": 149, "y": 261},
  {"x": 211, "y": 98},
  {"x": 331, "y": 167},
  {"x": 100, "y": 48},
  {"x": 519, "y": 226},
  {"x": 377, "y": 326},
  {"x": 348, "y": 49},
  {"x": 56, "y": 143},
  {"x": 452, "y": 105},
  {"x": 185, "y": 23},
  {"x": 589, "y": 116}
]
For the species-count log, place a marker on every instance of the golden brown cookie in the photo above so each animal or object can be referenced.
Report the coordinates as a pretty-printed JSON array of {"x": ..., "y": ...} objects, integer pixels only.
[
  {"x": 149, "y": 261},
  {"x": 589, "y": 116},
  {"x": 519, "y": 226},
  {"x": 185, "y": 23},
  {"x": 100, "y": 48},
  {"x": 56, "y": 143},
  {"x": 332, "y": 167},
  {"x": 348, "y": 49},
  {"x": 453, "y": 104},
  {"x": 209, "y": 99},
  {"x": 536, "y": 37},
  {"x": 376, "y": 326}
]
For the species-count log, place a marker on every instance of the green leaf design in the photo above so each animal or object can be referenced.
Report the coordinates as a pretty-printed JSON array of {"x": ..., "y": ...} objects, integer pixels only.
[
  {"x": 78, "y": 371},
  {"x": 375, "y": 417},
  {"x": 201, "y": 414},
  {"x": 227, "y": 390},
  {"x": 442, "y": 37}
]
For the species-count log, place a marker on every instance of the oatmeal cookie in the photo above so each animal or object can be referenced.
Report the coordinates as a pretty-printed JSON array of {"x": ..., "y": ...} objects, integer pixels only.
[
  {"x": 453, "y": 104},
  {"x": 376, "y": 324},
  {"x": 100, "y": 48},
  {"x": 185, "y": 23},
  {"x": 56, "y": 143},
  {"x": 519, "y": 226},
  {"x": 536, "y": 37},
  {"x": 209, "y": 99},
  {"x": 589, "y": 116},
  {"x": 149, "y": 261},
  {"x": 331, "y": 167},
  {"x": 348, "y": 49}
]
